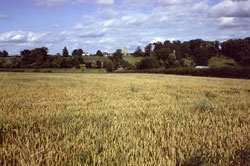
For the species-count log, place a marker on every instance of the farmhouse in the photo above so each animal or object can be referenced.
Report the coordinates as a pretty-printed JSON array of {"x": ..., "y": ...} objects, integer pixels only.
[
  {"x": 85, "y": 54},
  {"x": 105, "y": 54}
]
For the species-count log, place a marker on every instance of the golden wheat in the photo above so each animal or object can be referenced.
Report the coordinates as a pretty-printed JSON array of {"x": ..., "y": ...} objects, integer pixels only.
[{"x": 123, "y": 119}]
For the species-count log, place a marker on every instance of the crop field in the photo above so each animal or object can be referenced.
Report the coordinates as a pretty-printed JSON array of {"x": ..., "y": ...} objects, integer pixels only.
[{"x": 123, "y": 119}]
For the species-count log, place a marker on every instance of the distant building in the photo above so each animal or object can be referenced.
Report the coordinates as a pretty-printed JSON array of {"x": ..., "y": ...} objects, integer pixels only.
[
  {"x": 85, "y": 54},
  {"x": 125, "y": 51},
  {"x": 105, "y": 54},
  {"x": 202, "y": 67}
]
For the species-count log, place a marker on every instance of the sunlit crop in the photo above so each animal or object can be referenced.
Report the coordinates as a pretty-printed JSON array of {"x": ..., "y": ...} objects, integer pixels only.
[{"x": 123, "y": 119}]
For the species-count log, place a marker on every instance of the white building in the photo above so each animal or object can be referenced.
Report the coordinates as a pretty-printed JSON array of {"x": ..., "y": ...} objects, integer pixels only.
[
  {"x": 202, "y": 67},
  {"x": 125, "y": 51},
  {"x": 85, "y": 54}
]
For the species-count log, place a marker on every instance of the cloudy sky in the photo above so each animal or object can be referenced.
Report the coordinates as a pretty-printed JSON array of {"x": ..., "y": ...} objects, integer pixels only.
[{"x": 111, "y": 24}]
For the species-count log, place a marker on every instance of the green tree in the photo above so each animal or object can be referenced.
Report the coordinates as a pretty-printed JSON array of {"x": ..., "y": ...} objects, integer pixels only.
[
  {"x": 162, "y": 53},
  {"x": 77, "y": 52},
  {"x": 65, "y": 62},
  {"x": 188, "y": 62},
  {"x": 77, "y": 55},
  {"x": 110, "y": 66},
  {"x": 4, "y": 53},
  {"x": 99, "y": 53},
  {"x": 148, "y": 63},
  {"x": 238, "y": 49},
  {"x": 171, "y": 61},
  {"x": 98, "y": 64},
  {"x": 65, "y": 52},
  {"x": 117, "y": 56},
  {"x": 138, "y": 52},
  {"x": 158, "y": 45},
  {"x": 202, "y": 55},
  {"x": 38, "y": 57},
  {"x": 25, "y": 58},
  {"x": 15, "y": 62},
  {"x": 148, "y": 50}
]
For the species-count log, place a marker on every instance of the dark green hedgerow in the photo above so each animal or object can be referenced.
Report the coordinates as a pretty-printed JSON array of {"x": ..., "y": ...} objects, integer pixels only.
[{"x": 212, "y": 72}]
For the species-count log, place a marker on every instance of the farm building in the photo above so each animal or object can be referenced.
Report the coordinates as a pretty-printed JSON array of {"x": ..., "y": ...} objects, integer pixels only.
[{"x": 202, "y": 67}]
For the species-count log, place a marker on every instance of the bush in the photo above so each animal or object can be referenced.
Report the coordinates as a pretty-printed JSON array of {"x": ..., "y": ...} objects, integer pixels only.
[
  {"x": 110, "y": 66},
  {"x": 47, "y": 71},
  {"x": 36, "y": 71},
  {"x": 148, "y": 63},
  {"x": 124, "y": 63},
  {"x": 98, "y": 64}
]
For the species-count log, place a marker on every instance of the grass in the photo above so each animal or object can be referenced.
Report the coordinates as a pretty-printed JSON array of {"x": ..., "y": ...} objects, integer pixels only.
[
  {"x": 132, "y": 60},
  {"x": 87, "y": 58},
  {"x": 221, "y": 62},
  {"x": 123, "y": 119},
  {"x": 6, "y": 59}
]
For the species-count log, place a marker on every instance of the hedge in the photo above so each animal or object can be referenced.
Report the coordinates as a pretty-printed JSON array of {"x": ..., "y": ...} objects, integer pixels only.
[{"x": 212, "y": 72}]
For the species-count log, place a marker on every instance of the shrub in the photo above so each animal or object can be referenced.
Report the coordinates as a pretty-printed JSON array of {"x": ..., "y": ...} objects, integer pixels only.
[
  {"x": 110, "y": 66},
  {"x": 148, "y": 63},
  {"x": 98, "y": 64}
]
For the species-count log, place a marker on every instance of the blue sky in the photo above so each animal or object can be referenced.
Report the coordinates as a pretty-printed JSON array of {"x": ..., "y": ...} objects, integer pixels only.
[{"x": 111, "y": 24}]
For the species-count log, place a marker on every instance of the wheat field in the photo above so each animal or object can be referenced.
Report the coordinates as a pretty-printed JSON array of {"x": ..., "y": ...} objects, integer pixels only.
[{"x": 123, "y": 119}]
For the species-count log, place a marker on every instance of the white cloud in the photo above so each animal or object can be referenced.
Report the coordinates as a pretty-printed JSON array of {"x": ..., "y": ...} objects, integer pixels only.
[
  {"x": 107, "y": 12},
  {"x": 3, "y": 16},
  {"x": 109, "y": 22},
  {"x": 21, "y": 37},
  {"x": 79, "y": 26},
  {"x": 135, "y": 18},
  {"x": 92, "y": 34},
  {"x": 158, "y": 39},
  {"x": 112, "y": 24},
  {"x": 15, "y": 41},
  {"x": 107, "y": 40},
  {"x": 50, "y": 3},
  {"x": 105, "y": 2},
  {"x": 231, "y": 8},
  {"x": 226, "y": 20},
  {"x": 13, "y": 36},
  {"x": 173, "y": 2}
]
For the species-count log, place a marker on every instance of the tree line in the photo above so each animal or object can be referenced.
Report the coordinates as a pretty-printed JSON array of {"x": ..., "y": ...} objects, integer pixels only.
[
  {"x": 193, "y": 52},
  {"x": 4, "y": 53},
  {"x": 159, "y": 54}
]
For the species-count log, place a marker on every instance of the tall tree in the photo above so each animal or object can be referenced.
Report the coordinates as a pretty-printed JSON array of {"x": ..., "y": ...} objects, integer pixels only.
[
  {"x": 158, "y": 45},
  {"x": 77, "y": 55},
  {"x": 39, "y": 55},
  {"x": 238, "y": 49},
  {"x": 99, "y": 53},
  {"x": 5, "y": 53},
  {"x": 77, "y": 52},
  {"x": 171, "y": 61},
  {"x": 138, "y": 52},
  {"x": 65, "y": 52},
  {"x": 148, "y": 50},
  {"x": 117, "y": 56},
  {"x": 162, "y": 53}
]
